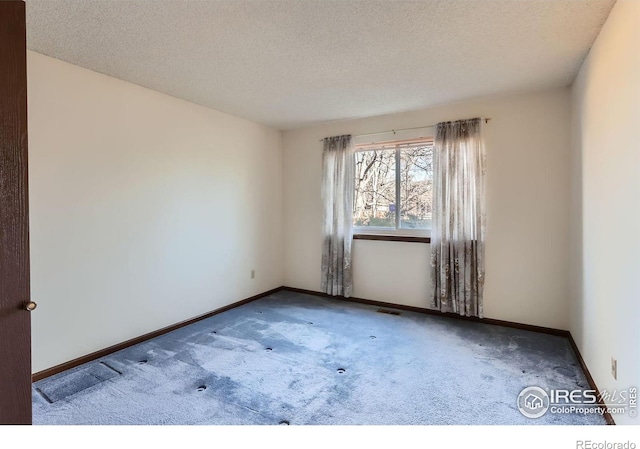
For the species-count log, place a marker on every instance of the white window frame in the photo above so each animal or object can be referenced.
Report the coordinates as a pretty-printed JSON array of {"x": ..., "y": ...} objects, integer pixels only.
[{"x": 397, "y": 231}]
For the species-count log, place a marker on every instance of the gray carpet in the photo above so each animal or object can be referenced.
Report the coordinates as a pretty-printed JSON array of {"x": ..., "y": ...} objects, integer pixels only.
[{"x": 298, "y": 359}]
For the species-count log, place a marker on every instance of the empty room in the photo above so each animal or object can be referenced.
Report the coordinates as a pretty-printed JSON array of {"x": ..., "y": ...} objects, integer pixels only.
[{"x": 320, "y": 213}]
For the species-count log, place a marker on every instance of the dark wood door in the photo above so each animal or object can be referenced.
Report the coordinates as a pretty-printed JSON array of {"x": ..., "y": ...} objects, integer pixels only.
[{"x": 15, "y": 322}]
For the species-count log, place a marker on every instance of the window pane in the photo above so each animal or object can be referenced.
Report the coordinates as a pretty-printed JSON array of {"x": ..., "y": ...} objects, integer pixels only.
[
  {"x": 416, "y": 185},
  {"x": 375, "y": 189}
]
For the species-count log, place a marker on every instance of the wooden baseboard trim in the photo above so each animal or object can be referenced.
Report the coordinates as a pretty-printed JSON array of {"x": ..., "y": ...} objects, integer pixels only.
[
  {"x": 545, "y": 330},
  {"x": 592, "y": 383},
  {"x": 528, "y": 327},
  {"x": 134, "y": 341}
]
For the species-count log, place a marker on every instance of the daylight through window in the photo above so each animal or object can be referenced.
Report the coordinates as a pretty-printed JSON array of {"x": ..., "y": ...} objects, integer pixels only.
[{"x": 393, "y": 187}]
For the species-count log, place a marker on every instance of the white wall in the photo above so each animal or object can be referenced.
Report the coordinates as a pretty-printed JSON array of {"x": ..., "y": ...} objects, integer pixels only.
[
  {"x": 605, "y": 256},
  {"x": 528, "y": 148},
  {"x": 145, "y": 210}
]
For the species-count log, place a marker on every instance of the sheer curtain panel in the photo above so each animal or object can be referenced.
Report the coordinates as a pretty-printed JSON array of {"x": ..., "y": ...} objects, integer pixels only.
[
  {"x": 337, "y": 227},
  {"x": 458, "y": 234}
]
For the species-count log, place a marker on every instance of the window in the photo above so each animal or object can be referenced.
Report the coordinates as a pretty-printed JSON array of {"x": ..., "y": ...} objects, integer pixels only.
[{"x": 393, "y": 187}]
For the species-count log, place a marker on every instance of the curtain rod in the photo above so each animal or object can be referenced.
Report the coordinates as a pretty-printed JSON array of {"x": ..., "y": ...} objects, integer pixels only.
[{"x": 486, "y": 120}]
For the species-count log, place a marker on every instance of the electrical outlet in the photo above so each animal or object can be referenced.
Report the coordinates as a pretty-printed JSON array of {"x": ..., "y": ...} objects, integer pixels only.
[
  {"x": 614, "y": 368},
  {"x": 253, "y": 274}
]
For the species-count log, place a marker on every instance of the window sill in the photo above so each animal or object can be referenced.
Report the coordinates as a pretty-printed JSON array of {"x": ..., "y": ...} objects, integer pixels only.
[{"x": 392, "y": 238}]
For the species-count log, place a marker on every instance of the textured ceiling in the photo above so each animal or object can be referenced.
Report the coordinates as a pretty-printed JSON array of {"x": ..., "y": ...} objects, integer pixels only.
[{"x": 290, "y": 63}]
